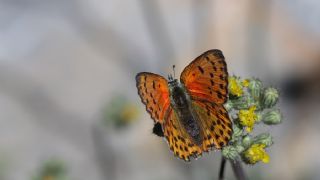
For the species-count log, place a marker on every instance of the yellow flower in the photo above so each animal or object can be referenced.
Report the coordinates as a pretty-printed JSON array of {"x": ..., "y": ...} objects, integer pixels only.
[
  {"x": 234, "y": 87},
  {"x": 248, "y": 118},
  {"x": 245, "y": 82},
  {"x": 256, "y": 153}
]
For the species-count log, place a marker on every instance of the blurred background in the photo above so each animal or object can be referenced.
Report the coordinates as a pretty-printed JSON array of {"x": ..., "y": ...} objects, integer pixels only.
[{"x": 69, "y": 108}]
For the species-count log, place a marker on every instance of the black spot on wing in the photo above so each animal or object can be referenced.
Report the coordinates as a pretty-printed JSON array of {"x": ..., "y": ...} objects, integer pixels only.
[
  {"x": 221, "y": 132},
  {"x": 153, "y": 85},
  {"x": 200, "y": 69},
  {"x": 219, "y": 95},
  {"x": 214, "y": 68},
  {"x": 212, "y": 82}
]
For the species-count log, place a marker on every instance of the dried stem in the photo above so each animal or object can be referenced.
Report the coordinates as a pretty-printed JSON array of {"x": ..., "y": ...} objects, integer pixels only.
[
  {"x": 222, "y": 167},
  {"x": 238, "y": 170},
  {"x": 236, "y": 167}
]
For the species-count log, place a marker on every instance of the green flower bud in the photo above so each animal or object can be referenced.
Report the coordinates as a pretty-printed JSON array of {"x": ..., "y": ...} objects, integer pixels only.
[
  {"x": 240, "y": 103},
  {"x": 230, "y": 152},
  {"x": 264, "y": 138},
  {"x": 270, "y": 97},
  {"x": 237, "y": 132},
  {"x": 259, "y": 117},
  {"x": 239, "y": 148},
  {"x": 234, "y": 116},
  {"x": 272, "y": 117},
  {"x": 228, "y": 105},
  {"x": 255, "y": 87},
  {"x": 246, "y": 141}
]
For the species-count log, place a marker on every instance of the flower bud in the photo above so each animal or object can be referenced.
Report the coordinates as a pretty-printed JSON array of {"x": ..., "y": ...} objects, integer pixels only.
[
  {"x": 240, "y": 103},
  {"x": 237, "y": 132},
  {"x": 264, "y": 138},
  {"x": 239, "y": 148},
  {"x": 272, "y": 117},
  {"x": 246, "y": 141},
  {"x": 270, "y": 97},
  {"x": 228, "y": 105},
  {"x": 255, "y": 87},
  {"x": 230, "y": 152},
  {"x": 259, "y": 117}
]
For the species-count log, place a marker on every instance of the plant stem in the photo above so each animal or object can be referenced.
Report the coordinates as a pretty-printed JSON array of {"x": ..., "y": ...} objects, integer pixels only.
[
  {"x": 222, "y": 167},
  {"x": 238, "y": 170}
]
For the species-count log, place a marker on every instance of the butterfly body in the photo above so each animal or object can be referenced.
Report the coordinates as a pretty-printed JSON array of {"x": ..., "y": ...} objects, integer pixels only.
[
  {"x": 189, "y": 113},
  {"x": 181, "y": 104}
]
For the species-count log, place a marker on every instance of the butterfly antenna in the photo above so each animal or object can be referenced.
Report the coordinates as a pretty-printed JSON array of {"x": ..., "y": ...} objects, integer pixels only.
[{"x": 174, "y": 72}]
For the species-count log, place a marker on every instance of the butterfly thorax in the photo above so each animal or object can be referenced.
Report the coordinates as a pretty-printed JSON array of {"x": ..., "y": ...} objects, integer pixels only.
[{"x": 181, "y": 103}]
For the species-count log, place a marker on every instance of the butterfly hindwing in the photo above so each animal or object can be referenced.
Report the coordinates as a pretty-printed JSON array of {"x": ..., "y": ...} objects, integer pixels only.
[
  {"x": 154, "y": 93},
  {"x": 179, "y": 141},
  {"x": 206, "y": 78},
  {"x": 216, "y": 130},
  {"x": 215, "y": 123}
]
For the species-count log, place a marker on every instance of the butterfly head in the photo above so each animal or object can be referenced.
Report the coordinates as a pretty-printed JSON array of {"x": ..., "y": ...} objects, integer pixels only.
[{"x": 172, "y": 80}]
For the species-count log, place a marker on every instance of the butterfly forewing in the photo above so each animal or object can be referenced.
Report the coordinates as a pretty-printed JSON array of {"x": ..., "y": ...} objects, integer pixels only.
[
  {"x": 206, "y": 78},
  {"x": 154, "y": 93}
]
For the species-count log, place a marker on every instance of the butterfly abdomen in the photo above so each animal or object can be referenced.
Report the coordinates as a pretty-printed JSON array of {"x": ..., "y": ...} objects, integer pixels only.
[{"x": 181, "y": 104}]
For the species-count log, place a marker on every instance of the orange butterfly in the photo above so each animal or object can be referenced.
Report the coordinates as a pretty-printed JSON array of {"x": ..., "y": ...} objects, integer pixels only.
[{"x": 190, "y": 113}]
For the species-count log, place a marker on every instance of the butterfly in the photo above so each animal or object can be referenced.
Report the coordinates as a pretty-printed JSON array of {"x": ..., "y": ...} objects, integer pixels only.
[{"x": 190, "y": 113}]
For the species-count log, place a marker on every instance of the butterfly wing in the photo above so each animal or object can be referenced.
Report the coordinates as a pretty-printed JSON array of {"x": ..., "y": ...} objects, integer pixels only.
[
  {"x": 216, "y": 130},
  {"x": 206, "y": 78},
  {"x": 178, "y": 139},
  {"x": 154, "y": 93},
  {"x": 215, "y": 123}
]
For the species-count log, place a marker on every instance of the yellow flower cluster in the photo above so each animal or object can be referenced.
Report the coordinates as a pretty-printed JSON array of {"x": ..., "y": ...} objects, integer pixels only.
[
  {"x": 234, "y": 87},
  {"x": 256, "y": 153},
  {"x": 248, "y": 118}
]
